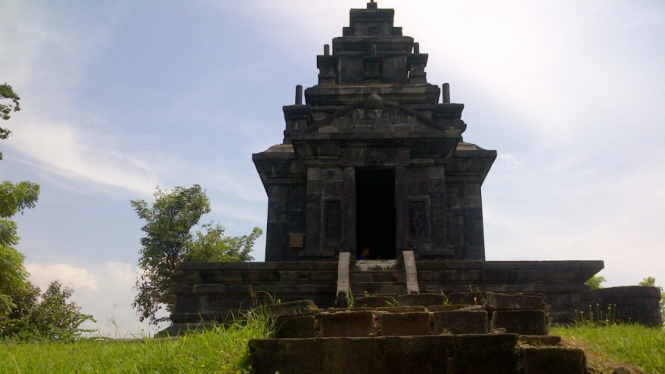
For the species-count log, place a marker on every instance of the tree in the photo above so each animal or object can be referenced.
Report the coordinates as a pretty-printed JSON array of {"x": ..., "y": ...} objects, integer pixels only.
[
  {"x": 14, "y": 198},
  {"x": 213, "y": 246},
  {"x": 6, "y": 92},
  {"x": 24, "y": 313},
  {"x": 595, "y": 281},
  {"x": 169, "y": 241},
  {"x": 49, "y": 316}
]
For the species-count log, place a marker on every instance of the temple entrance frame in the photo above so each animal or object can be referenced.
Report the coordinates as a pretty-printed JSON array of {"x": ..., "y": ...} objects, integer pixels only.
[{"x": 376, "y": 219}]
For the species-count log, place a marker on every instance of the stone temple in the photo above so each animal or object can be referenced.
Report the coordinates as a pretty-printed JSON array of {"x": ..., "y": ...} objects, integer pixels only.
[{"x": 374, "y": 158}]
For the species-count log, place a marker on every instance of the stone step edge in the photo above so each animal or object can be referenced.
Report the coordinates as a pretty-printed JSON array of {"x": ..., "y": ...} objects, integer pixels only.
[{"x": 488, "y": 354}]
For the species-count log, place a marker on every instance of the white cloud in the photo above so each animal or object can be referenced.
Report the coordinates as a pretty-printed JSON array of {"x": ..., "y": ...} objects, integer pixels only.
[{"x": 42, "y": 275}]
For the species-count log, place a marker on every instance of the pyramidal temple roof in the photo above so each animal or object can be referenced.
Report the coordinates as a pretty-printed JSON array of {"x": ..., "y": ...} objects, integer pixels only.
[{"x": 372, "y": 52}]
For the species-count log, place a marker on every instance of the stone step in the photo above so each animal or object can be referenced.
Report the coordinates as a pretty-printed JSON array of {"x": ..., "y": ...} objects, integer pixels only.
[
  {"x": 454, "y": 354},
  {"x": 377, "y": 276},
  {"x": 378, "y": 288},
  {"x": 376, "y": 265}
]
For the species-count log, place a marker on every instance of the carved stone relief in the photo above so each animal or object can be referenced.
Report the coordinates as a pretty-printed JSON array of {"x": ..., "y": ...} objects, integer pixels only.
[
  {"x": 418, "y": 225},
  {"x": 333, "y": 220}
]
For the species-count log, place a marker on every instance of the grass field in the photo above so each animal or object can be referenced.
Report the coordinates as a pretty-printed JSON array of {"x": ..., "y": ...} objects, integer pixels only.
[
  {"x": 224, "y": 350},
  {"x": 607, "y": 346},
  {"x": 220, "y": 350}
]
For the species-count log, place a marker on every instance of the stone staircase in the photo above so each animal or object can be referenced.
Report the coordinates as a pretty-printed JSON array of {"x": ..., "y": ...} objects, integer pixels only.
[
  {"x": 377, "y": 277},
  {"x": 505, "y": 334},
  {"x": 358, "y": 279},
  {"x": 392, "y": 328}
]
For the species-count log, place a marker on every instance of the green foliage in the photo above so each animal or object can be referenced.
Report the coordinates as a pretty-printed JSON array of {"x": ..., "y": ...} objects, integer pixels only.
[
  {"x": 222, "y": 349},
  {"x": 631, "y": 344},
  {"x": 7, "y": 93},
  {"x": 22, "y": 314},
  {"x": 213, "y": 246},
  {"x": 49, "y": 317},
  {"x": 13, "y": 278},
  {"x": 169, "y": 241},
  {"x": 14, "y": 198},
  {"x": 594, "y": 282}
]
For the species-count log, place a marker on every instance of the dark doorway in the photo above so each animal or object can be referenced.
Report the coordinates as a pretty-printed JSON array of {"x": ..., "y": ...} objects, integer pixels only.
[{"x": 375, "y": 212}]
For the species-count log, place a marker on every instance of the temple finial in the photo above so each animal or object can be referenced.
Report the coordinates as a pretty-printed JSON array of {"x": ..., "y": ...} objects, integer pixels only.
[
  {"x": 298, "y": 95},
  {"x": 445, "y": 93}
]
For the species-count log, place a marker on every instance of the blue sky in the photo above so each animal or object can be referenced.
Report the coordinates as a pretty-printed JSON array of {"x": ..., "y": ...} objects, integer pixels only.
[{"x": 119, "y": 97}]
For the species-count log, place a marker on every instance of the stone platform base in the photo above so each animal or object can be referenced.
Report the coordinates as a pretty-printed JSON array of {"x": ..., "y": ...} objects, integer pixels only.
[{"x": 216, "y": 291}]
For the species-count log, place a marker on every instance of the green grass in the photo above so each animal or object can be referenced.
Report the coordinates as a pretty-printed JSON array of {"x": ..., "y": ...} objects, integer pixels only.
[
  {"x": 224, "y": 350},
  {"x": 218, "y": 350},
  {"x": 625, "y": 344}
]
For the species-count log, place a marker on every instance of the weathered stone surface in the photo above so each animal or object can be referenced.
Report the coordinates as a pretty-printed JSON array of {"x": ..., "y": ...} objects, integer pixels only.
[
  {"x": 501, "y": 301},
  {"x": 529, "y": 322},
  {"x": 374, "y": 301},
  {"x": 424, "y": 299},
  {"x": 351, "y": 324},
  {"x": 445, "y": 308},
  {"x": 466, "y": 298},
  {"x": 461, "y": 354},
  {"x": 417, "y": 354},
  {"x": 402, "y": 309},
  {"x": 295, "y": 327},
  {"x": 623, "y": 304},
  {"x": 268, "y": 356},
  {"x": 291, "y": 308},
  {"x": 540, "y": 340},
  {"x": 485, "y": 341},
  {"x": 460, "y": 322},
  {"x": 553, "y": 361},
  {"x": 402, "y": 324},
  {"x": 350, "y": 355},
  {"x": 243, "y": 286},
  {"x": 486, "y": 361}
]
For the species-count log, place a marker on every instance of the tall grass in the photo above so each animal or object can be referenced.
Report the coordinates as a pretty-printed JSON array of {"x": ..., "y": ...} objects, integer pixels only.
[
  {"x": 222, "y": 349},
  {"x": 627, "y": 343}
]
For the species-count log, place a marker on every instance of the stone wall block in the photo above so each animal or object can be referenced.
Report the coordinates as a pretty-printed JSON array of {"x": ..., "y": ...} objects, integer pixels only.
[
  {"x": 402, "y": 324},
  {"x": 420, "y": 354},
  {"x": 540, "y": 340},
  {"x": 553, "y": 361},
  {"x": 424, "y": 299},
  {"x": 295, "y": 327},
  {"x": 460, "y": 322},
  {"x": 523, "y": 322},
  {"x": 445, "y": 308},
  {"x": 348, "y": 324},
  {"x": 499, "y": 301},
  {"x": 401, "y": 309},
  {"x": 373, "y": 301},
  {"x": 350, "y": 356},
  {"x": 292, "y": 308},
  {"x": 466, "y": 298},
  {"x": 268, "y": 356},
  {"x": 486, "y": 361},
  {"x": 486, "y": 341}
]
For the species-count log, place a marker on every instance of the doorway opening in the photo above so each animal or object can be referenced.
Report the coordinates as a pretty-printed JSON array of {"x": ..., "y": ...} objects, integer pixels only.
[{"x": 375, "y": 212}]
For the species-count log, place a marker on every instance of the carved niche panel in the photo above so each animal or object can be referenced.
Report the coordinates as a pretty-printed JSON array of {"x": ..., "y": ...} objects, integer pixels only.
[
  {"x": 333, "y": 220},
  {"x": 418, "y": 220}
]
